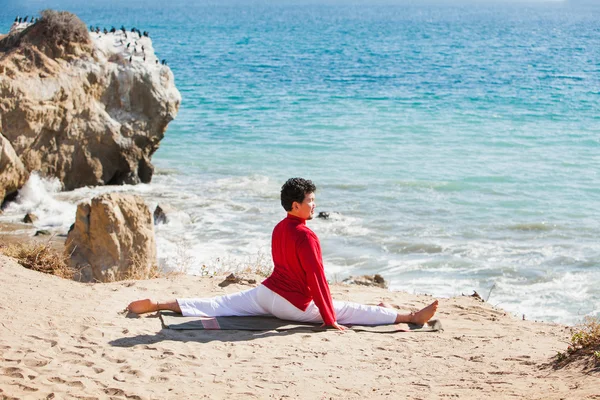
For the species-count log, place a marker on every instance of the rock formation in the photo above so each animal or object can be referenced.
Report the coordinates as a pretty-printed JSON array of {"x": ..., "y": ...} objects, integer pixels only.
[
  {"x": 81, "y": 106},
  {"x": 13, "y": 174},
  {"x": 112, "y": 239}
]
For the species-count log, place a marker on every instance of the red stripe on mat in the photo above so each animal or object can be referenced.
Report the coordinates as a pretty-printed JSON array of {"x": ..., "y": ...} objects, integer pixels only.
[{"x": 210, "y": 323}]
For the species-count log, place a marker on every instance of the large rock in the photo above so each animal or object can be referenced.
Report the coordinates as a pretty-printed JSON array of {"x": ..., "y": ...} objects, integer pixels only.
[
  {"x": 112, "y": 239},
  {"x": 13, "y": 174},
  {"x": 83, "y": 106}
]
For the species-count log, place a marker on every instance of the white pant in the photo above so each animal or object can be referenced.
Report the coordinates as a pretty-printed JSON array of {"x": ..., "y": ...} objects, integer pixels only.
[{"x": 263, "y": 301}]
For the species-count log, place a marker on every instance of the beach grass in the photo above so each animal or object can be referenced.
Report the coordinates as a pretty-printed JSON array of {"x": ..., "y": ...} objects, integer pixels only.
[
  {"x": 584, "y": 345},
  {"x": 40, "y": 257},
  {"x": 58, "y": 34},
  {"x": 62, "y": 28},
  {"x": 49, "y": 258}
]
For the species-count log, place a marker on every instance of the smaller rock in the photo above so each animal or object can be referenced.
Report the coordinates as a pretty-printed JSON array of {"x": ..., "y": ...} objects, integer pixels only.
[
  {"x": 476, "y": 296},
  {"x": 42, "y": 232},
  {"x": 378, "y": 279},
  {"x": 233, "y": 278},
  {"x": 163, "y": 214},
  {"x": 367, "y": 280},
  {"x": 159, "y": 216},
  {"x": 30, "y": 218},
  {"x": 323, "y": 215},
  {"x": 229, "y": 279}
]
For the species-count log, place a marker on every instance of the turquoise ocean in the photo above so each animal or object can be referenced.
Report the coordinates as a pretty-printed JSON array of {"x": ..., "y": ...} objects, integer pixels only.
[{"x": 456, "y": 144}]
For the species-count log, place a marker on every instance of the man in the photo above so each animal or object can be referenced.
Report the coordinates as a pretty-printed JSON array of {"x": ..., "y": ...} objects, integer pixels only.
[{"x": 297, "y": 290}]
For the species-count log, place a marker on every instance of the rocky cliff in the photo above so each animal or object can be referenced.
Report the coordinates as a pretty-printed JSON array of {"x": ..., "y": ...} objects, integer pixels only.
[
  {"x": 89, "y": 108},
  {"x": 13, "y": 174}
]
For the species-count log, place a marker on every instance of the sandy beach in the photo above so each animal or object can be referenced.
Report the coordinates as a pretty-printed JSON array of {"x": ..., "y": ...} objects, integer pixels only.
[
  {"x": 64, "y": 339},
  {"x": 454, "y": 148}
]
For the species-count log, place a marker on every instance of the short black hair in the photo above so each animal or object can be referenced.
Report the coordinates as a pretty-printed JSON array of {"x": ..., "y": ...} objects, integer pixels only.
[{"x": 295, "y": 189}]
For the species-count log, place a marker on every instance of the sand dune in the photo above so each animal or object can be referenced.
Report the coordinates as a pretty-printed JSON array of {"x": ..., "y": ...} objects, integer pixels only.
[{"x": 62, "y": 339}]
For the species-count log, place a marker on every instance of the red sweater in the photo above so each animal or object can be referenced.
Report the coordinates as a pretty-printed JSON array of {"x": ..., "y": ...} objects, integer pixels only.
[{"x": 298, "y": 275}]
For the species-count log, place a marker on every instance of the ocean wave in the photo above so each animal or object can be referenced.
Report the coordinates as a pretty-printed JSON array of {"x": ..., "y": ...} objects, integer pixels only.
[
  {"x": 39, "y": 196},
  {"x": 340, "y": 225},
  {"x": 533, "y": 226},
  {"x": 351, "y": 187},
  {"x": 413, "y": 248},
  {"x": 563, "y": 77},
  {"x": 166, "y": 171},
  {"x": 544, "y": 299}
]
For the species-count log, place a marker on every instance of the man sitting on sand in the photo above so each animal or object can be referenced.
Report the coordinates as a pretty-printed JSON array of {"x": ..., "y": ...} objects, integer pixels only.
[{"x": 297, "y": 289}]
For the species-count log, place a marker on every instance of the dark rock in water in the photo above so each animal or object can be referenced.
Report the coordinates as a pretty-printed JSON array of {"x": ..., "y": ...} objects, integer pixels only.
[
  {"x": 159, "y": 216},
  {"x": 367, "y": 280},
  {"x": 42, "y": 232},
  {"x": 145, "y": 169},
  {"x": 323, "y": 215},
  {"x": 30, "y": 218}
]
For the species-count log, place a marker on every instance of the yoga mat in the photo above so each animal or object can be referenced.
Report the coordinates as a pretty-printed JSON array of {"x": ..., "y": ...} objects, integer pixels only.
[{"x": 176, "y": 321}]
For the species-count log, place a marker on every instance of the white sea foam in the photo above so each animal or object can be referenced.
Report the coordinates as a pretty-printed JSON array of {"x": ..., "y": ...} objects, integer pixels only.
[
  {"x": 339, "y": 225},
  {"x": 39, "y": 196},
  {"x": 559, "y": 296}
]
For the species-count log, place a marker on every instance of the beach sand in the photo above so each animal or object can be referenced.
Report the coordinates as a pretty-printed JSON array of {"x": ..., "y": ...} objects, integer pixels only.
[{"x": 64, "y": 339}]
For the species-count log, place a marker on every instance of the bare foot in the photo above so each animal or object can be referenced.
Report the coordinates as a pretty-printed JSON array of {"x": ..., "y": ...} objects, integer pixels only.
[
  {"x": 385, "y": 305},
  {"x": 424, "y": 315},
  {"x": 143, "y": 306}
]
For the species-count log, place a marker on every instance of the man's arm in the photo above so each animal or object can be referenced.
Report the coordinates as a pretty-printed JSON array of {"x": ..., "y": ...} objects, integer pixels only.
[{"x": 309, "y": 253}]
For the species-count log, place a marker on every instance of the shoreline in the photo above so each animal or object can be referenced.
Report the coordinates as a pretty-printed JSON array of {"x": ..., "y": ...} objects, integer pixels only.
[
  {"x": 9, "y": 234},
  {"x": 13, "y": 233}
]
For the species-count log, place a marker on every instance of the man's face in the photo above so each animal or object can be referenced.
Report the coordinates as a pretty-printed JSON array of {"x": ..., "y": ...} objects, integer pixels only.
[{"x": 306, "y": 209}]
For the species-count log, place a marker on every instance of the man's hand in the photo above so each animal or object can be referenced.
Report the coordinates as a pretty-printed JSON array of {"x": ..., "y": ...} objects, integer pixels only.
[{"x": 336, "y": 326}]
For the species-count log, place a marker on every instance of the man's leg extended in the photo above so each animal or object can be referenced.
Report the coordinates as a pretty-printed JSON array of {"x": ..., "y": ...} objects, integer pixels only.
[
  {"x": 235, "y": 304},
  {"x": 360, "y": 314}
]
